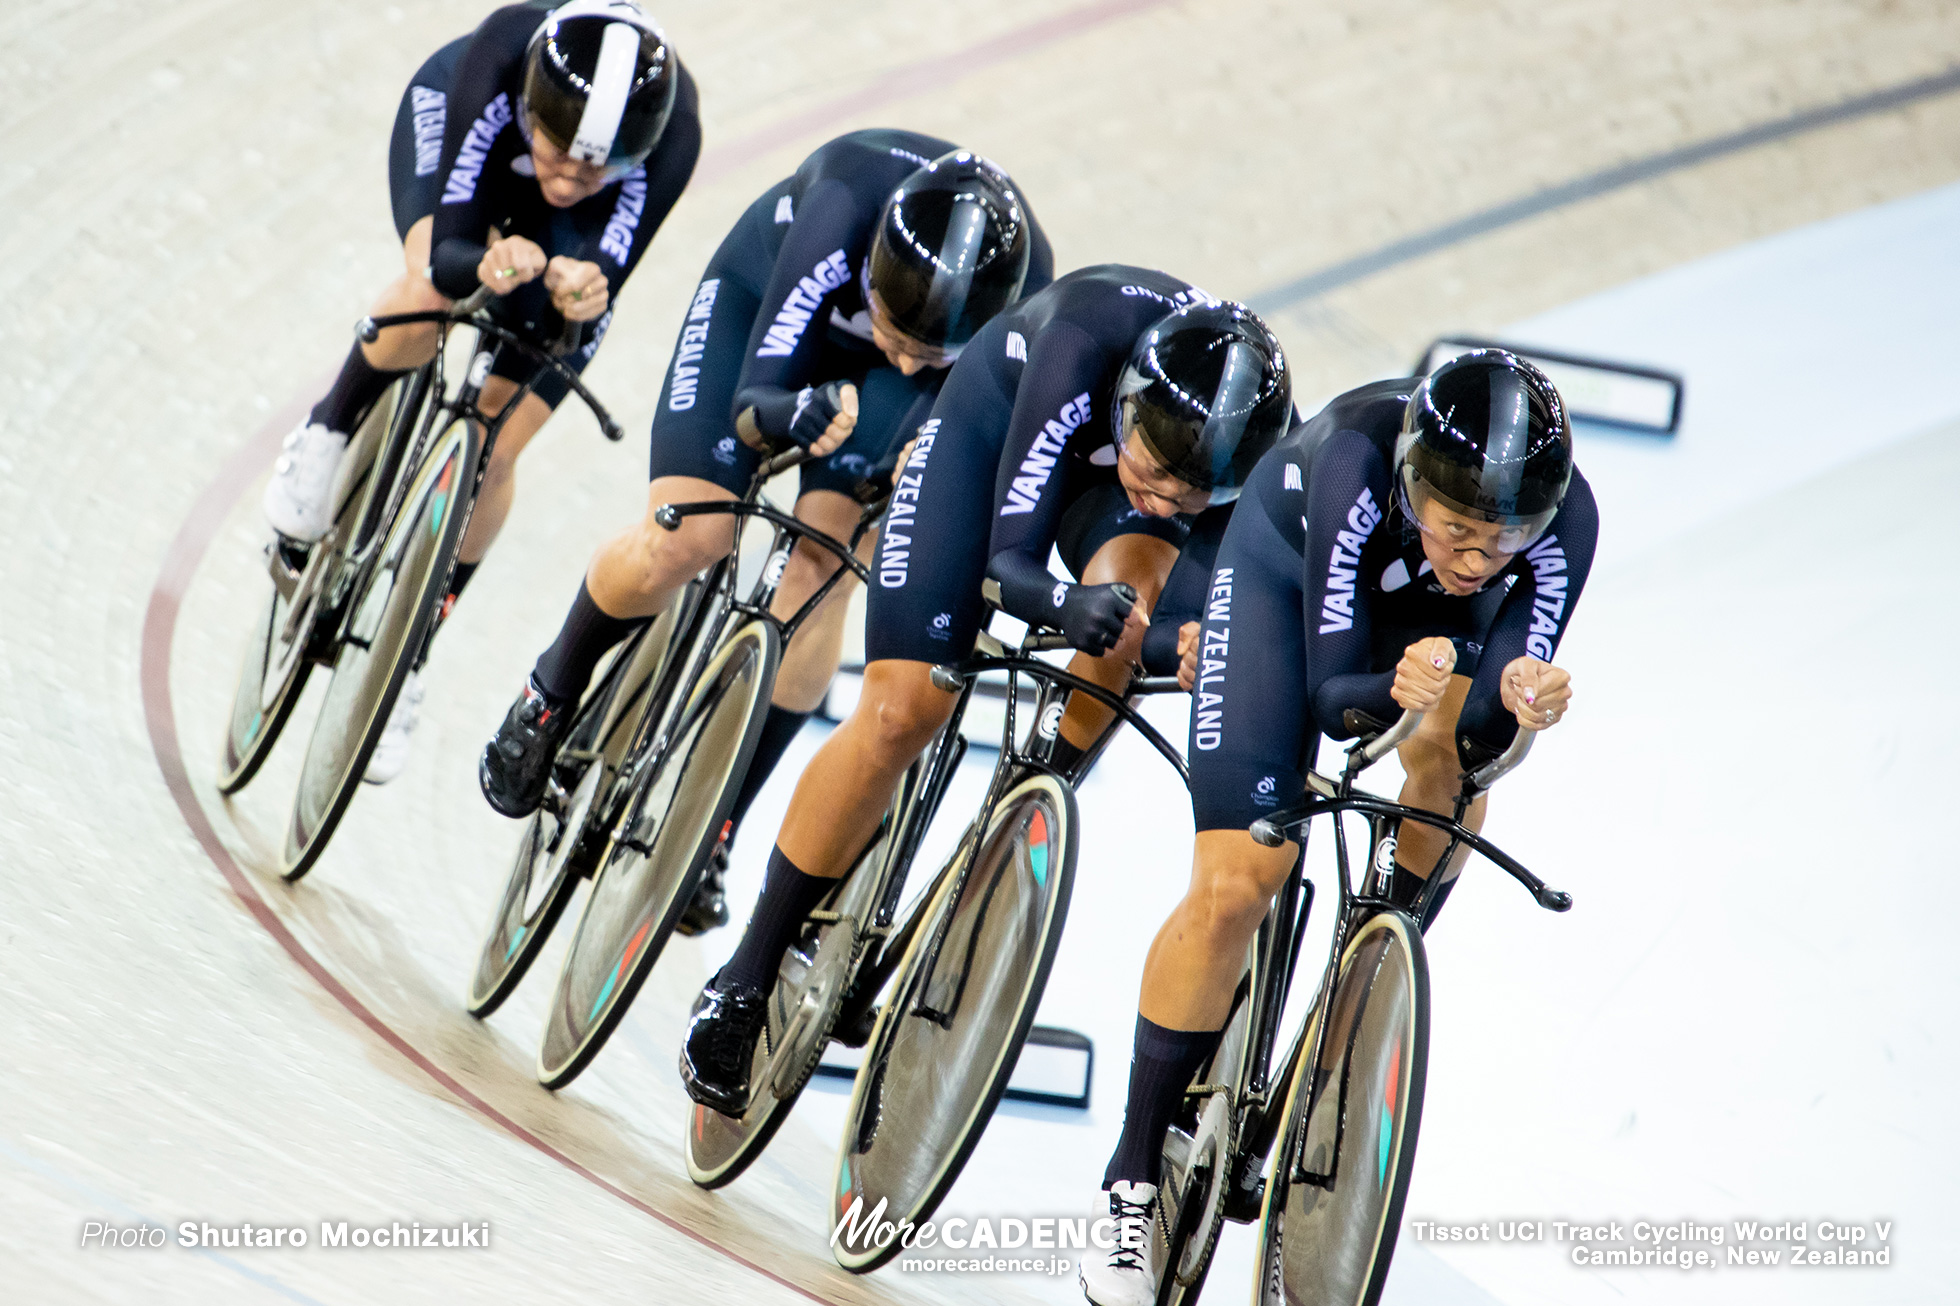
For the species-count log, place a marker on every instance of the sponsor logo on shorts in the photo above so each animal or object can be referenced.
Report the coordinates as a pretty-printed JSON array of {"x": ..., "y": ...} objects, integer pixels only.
[
  {"x": 460, "y": 188},
  {"x": 1214, "y": 644},
  {"x": 942, "y": 627},
  {"x": 725, "y": 451},
  {"x": 1547, "y": 559},
  {"x": 801, "y": 304},
  {"x": 1262, "y": 793},
  {"x": 617, "y": 239},
  {"x": 901, "y": 516},
  {"x": 694, "y": 343},
  {"x": 1061, "y": 593},
  {"x": 1344, "y": 560},
  {"x": 1040, "y": 462},
  {"x": 430, "y": 110}
]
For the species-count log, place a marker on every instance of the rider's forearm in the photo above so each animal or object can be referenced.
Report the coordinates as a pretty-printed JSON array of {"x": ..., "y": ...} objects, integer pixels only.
[
  {"x": 452, "y": 266},
  {"x": 1027, "y": 587},
  {"x": 771, "y": 408},
  {"x": 1368, "y": 693},
  {"x": 1160, "y": 655}
]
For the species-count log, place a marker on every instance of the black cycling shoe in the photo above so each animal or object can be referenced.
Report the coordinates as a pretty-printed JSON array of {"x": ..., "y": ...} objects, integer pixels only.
[
  {"x": 516, "y": 764},
  {"x": 720, "y": 1044},
  {"x": 709, "y": 908}
]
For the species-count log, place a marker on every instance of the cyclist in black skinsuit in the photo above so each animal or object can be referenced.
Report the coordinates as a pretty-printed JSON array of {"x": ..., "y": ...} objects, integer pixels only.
[
  {"x": 783, "y": 342},
  {"x": 1101, "y": 415},
  {"x": 505, "y": 172},
  {"x": 1418, "y": 544}
]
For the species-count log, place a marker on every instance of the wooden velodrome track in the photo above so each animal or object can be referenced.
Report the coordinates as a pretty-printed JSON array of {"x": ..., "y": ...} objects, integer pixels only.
[{"x": 193, "y": 195}]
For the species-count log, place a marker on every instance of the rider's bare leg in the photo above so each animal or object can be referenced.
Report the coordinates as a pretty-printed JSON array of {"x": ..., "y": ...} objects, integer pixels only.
[
  {"x": 1434, "y": 774},
  {"x": 810, "y": 661},
  {"x": 636, "y": 572},
  {"x": 1144, "y": 562},
  {"x": 843, "y": 793},
  {"x": 1195, "y": 961},
  {"x": 399, "y": 348},
  {"x": 1188, "y": 981}
]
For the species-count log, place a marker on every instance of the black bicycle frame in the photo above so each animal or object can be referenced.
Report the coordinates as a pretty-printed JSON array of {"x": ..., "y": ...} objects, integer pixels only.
[{"x": 1054, "y": 683}]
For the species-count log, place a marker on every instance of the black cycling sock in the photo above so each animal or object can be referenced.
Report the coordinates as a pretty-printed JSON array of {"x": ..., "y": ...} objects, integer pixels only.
[
  {"x": 354, "y": 391},
  {"x": 779, "y": 730},
  {"x": 1161, "y": 1068},
  {"x": 1408, "y": 887},
  {"x": 459, "y": 580},
  {"x": 1064, "y": 755},
  {"x": 787, "y": 897},
  {"x": 589, "y": 634},
  {"x": 1405, "y": 887}
]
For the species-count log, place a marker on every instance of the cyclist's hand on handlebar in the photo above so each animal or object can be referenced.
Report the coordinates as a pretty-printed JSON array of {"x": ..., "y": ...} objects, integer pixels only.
[
  {"x": 1094, "y": 616},
  {"x": 578, "y": 289},
  {"x": 1423, "y": 674},
  {"x": 1535, "y": 692},
  {"x": 825, "y": 416},
  {"x": 509, "y": 263},
  {"x": 1187, "y": 652}
]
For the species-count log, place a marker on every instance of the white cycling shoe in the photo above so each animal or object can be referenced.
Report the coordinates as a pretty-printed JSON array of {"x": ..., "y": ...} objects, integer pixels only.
[
  {"x": 1127, "y": 1274},
  {"x": 390, "y": 753},
  {"x": 299, "y": 498}
]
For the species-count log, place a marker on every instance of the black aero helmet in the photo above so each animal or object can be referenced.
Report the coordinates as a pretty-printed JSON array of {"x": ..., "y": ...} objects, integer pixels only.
[
  {"x": 1486, "y": 435},
  {"x": 600, "y": 81},
  {"x": 1207, "y": 392},
  {"x": 951, "y": 251}
]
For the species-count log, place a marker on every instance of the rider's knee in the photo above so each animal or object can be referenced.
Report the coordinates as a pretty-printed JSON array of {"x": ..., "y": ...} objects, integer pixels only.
[
  {"x": 666, "y": 557},
  {"x": 809, "y": 566},
  {"x": 1231, "y": 900},
  {"x": 899, "y": 714},
  {"x": 1429, "y": 759}
]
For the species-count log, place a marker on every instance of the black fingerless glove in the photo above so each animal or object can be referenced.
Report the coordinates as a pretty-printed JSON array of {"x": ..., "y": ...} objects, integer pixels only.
[
  {"x": 799, "y": 416},
  {"x": 1092, "y": 616}
]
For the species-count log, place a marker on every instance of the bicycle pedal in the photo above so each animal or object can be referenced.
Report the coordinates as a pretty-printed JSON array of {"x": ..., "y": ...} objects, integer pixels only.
[
  {"x": 858, "y": 1032},
  {"x": 1242, "y": 1204}
]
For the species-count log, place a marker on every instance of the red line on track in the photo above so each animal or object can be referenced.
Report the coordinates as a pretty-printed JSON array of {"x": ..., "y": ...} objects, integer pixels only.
[{"x": 207, "y": 515}]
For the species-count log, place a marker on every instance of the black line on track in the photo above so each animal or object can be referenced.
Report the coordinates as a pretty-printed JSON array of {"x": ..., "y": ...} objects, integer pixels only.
[{"x": 1593, "y": 185}]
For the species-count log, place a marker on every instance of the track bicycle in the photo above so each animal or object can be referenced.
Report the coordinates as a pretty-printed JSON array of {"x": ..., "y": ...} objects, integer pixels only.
[
  {"x": 1346, "y": 1102},
  {"x": 364, "y": 600},
  {"x": 992, "y": 916},
  {"x": 642, "y": 788}
]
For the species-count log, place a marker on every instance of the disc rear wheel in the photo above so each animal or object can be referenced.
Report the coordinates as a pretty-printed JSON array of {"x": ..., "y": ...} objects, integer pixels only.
[
  {"x": 391, "y": 619},
  {"x": 950, "y": 1033},
  {"x": 1346, "y": 1148},
  {"x": 650, "y": 872}
]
